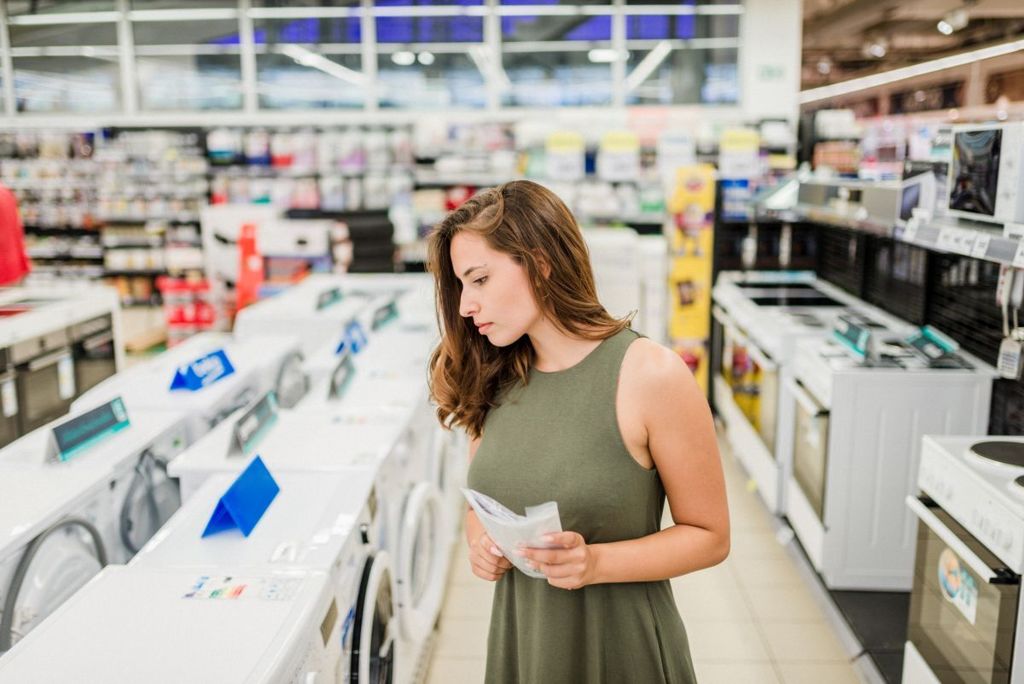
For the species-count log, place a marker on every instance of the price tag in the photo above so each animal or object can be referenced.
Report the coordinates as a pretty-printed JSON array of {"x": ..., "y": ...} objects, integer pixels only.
[
  {"x": 980, "y": 247},
  {"x": 565, "y": 156},
  {"x": 9, "y": 398},
  {"x": 328, "y": 297},
  {"x": 253, "y": 424},
  {"x": 618, "y": 158},
  {"x": 1018, "y": 258},
  {"x": 66, "y": 377},
  {"x": 203, "y": 372},
  {"x": 79, "y": 433}
]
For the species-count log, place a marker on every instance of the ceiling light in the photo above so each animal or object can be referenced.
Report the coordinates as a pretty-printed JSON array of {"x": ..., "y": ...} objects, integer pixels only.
[
  {"x": 953, "y": 20},
  {"x": 945, "y": 28},
  {"x": 426, "y": 58},
  {"x": 603, "y": 55},
  {"x": 403, "y": 58},
  {"x": 824, "y": 66}
]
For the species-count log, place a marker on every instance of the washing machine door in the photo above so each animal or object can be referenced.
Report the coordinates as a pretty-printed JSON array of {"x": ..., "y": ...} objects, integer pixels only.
[
  {"x": 421, "y": 567},
  {"x": 64, "y": 561},
  {"x": 292, "y": 383},
  {"x": 152, "y": 498},
  {"x": 373, "y": 640}
]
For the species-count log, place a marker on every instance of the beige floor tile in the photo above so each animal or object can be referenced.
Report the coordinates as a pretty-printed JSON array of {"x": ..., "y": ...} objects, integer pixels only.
[
  {"x": 726, "y": 642},
  {"x": 445, "y": 670},
  {"x": 803, "y": 642},
  {"x": 779, "y": 573},
  {"x": 469, "y": 600},
  {"x": 735, "y": 673},
  {"x": 462, "y": 638},
  {"x": 784, "y": 604},
  {"x": 755, "y": 546},
  {"x": 718, "y": 606},
  {"x": 815, "y": 673}
]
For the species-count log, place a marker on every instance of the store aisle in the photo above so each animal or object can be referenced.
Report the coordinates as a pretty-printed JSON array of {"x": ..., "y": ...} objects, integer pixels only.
[{"x": 751, "y": 619}]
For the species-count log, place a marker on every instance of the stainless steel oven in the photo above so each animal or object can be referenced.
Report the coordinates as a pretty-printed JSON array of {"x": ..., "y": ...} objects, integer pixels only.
[
  {"x": 964, "y": 606},
  {"x": 8, "y": 400},
  {"x": 45, "y": 372},
  {"x": 94, "y": 352},
  {"x": 810, "y": 447}
]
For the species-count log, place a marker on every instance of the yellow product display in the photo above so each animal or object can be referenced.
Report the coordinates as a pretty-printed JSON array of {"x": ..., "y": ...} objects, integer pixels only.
[{"x": 695, "y": 354}]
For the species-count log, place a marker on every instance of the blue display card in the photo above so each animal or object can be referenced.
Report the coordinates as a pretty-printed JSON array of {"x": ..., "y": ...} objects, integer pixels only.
[
  {"x": 203, "y": 372},
  {"x": 245, "y": 501}
]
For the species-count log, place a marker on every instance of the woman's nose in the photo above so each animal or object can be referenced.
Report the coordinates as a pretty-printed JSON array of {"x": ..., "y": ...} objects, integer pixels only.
[{"x": 467, "y": 307}]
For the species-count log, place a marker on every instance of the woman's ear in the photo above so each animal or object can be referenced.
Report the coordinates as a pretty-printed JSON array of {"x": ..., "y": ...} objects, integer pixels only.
[{"x": 543, "y": 265}]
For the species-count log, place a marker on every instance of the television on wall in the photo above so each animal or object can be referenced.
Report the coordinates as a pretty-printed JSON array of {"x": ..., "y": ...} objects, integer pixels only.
[{"x": 985, "y": 179}]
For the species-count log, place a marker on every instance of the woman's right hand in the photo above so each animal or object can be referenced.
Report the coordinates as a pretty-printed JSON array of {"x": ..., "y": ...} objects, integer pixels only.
[{"x": 486, "y": 559}]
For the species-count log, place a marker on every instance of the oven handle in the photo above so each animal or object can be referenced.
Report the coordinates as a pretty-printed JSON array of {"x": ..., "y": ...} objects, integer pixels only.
[
  {"x": 804, "y": 398},
  {"x": 951, "y": 540},
  {"x": 98, "y": 340},
  {"x": 48, "y": 360}
]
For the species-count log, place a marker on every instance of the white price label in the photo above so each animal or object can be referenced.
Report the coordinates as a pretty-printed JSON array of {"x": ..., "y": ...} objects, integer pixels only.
[
  {"x": 66, "y": 377},
  {"x": 910, "y": 232},
  {"x": 980, "y": 246},
  {"x": 1018, "y": 258},
  {"x": 9, "y": 398}
]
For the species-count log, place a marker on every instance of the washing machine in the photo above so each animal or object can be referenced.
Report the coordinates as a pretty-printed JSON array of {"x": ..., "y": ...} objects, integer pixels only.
[
  {"x": 272, "y": 362},
  {"x": 222, "y": 625},
  {"x": 320, "y": 523},
  {"x": 413, "y": 531}
]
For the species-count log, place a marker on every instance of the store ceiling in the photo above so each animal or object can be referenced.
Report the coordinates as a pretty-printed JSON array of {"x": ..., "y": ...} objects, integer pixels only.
[{"x": 843, "y": 39}]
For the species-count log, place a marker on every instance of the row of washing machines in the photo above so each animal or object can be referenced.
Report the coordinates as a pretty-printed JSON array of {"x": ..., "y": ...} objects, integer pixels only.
[{"x": 341, "y": 579}]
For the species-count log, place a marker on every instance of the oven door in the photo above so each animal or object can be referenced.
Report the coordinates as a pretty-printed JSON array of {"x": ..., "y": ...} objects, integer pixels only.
[
  {"x": 8, "y": 407},
  {"x": 964, "y": 603},
  {"x": 46, "y": 386},
  {"x": 95, "y": 359},
  {"x": 752, "y": 377},
  {"x": 810, "y": 447}
]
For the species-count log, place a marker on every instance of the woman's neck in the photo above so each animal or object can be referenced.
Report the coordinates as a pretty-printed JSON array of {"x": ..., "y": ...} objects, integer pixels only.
[{"x": 557, "y": 350}]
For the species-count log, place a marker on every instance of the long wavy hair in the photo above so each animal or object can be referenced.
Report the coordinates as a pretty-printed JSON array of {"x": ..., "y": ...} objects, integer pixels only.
[{"x": 468, "y": 375}]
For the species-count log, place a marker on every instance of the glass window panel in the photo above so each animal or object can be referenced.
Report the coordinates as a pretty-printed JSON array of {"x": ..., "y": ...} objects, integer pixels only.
[
  {"x": 56, "y": 35},
  {"x": 678, "y": 3},
  {"x": 67, "y": 84},
  {"x": 310, "y": 31},
  {"x": 452, "y": 80},
  {"x": 189, "y": 82},
  {"x": 183, "y": 4},
  {"x": 428, "y": 3},
  {"x": 683, "y": 26},
  {"x": 549, "y": 3},
  {"x": 17, "y": 8},
  {"x": 551, "y": 79},
  {"x": 688, "y": 77},
  {"x": 430, "y": 29},
  {"x": 303, "y": 3},
  {"x": 214, "y": 32},
  {"x": 284, "y": 84},
  {"x": 543, "y": 28}
]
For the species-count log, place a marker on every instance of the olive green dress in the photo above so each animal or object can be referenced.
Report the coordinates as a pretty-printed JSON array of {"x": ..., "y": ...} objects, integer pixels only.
[{"x": 557, "y": 439}]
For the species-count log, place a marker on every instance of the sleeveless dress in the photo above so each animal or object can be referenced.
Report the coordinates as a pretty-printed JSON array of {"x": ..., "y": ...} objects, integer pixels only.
[{"x": 557, "y": 439}]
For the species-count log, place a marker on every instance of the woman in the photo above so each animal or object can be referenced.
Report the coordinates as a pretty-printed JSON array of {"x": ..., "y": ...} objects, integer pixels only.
[{"x": 565, "y": 403}]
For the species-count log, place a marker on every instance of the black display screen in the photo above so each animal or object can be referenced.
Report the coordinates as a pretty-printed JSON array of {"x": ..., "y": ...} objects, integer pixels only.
[{"x": 975, "y": 171}]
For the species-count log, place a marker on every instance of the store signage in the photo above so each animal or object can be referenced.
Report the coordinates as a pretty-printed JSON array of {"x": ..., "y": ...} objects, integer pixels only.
[
  {"x": 254, "y": 424},
  {"x": 81, "y": 432},
  {"x": 353, "y": 340},
  {"x": 618, "y": 157},
  {"x": 203, "y": 372},
  {"x": 341, "y": 376},
  {"x": 565, "y": 156},
  {"x": 853, "y": 336},
  {"x": 328, "y": 297}
]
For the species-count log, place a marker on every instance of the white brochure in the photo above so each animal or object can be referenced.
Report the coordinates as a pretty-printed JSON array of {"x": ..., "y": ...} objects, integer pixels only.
[{"x": 509, "y": 530}]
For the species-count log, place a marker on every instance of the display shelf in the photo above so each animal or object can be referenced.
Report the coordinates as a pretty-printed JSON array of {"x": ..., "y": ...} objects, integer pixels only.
[
  {"x": 114, "y": 272},
  {"x": 60, "y": 231},
  {"x": 72, "y": 253}
]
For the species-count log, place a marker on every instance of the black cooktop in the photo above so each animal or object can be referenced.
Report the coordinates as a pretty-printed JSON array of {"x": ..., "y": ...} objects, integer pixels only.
[
  {"x": 772, "y": 286},
  {"x": 781, "y": 300},
  {"x": 1008, "y": 453}
]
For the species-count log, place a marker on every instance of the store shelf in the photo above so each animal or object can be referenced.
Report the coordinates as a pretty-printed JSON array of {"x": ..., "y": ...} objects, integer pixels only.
[
  {"x": 81, "y": 253},
  {"x": 114, "y": 272},
  {"x": 60, "y": 231}
]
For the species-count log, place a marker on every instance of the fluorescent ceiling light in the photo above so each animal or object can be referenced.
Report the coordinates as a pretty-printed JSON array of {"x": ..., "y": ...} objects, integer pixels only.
[
  {"x": 603, "y": 55},
  {"x": 945, "y": 28},
  {"x": 647, "y": 65},
  {"x": 315, "y": 61},
  {"x": 403, "y": 57},
  {"x": 426, "y": 58},
  {"x": 875, "y": 80}
]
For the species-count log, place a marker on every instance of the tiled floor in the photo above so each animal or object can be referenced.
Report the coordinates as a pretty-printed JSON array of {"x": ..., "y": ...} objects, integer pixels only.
[{"x": 751, "y": 619}]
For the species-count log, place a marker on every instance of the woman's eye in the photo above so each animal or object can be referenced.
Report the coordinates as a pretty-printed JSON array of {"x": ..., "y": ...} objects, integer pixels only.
[{"x": 480, "y": 281}]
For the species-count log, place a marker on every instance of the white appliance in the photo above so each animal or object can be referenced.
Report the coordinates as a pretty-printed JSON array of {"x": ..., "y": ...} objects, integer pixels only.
[
  {"x": 378, "y": 440},
  {"x": 856, "y": 447},
  {"x": 116, "y": 488},
  {"x": 986, "y": 182},
  {"x": 966, "y": 620},
  {"x": 169, "y": 626},
  {"x": 317, "y": 523},
  {"x": 269, "y": 363},
  {"x": 317, "y": 310},
  {"x": 758, "y": 318},
  {"x": 615, "y": 259},
  {"x": 653, "y": 318}
]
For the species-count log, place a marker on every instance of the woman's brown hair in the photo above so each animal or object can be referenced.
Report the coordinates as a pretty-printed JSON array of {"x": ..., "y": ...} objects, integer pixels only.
[{"x": 529, "y": 222}]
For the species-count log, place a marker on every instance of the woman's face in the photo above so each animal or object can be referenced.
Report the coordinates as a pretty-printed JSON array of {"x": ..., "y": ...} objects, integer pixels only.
[{"x": 496, "y": 291}]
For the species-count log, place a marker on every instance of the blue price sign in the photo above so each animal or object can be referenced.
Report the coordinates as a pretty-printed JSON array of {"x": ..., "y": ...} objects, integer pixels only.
[{"x": 203, "y": 372}]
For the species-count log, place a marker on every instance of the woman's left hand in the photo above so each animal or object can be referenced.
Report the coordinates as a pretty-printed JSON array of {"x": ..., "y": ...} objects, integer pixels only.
[{"x": 569, "y": 564}]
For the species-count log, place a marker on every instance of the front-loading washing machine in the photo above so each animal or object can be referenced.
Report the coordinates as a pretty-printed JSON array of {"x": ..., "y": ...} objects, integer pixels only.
[
  {"x": 167, "y": 626},
  {"x": 317, "y": 522},
  {"x": 270, "y": 363}
]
